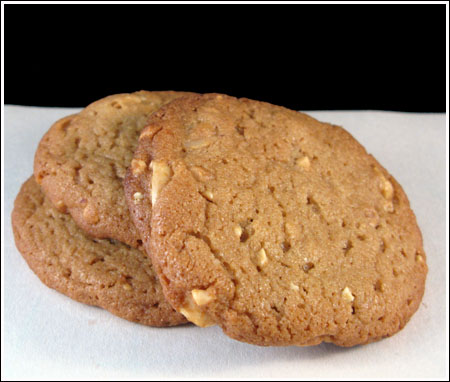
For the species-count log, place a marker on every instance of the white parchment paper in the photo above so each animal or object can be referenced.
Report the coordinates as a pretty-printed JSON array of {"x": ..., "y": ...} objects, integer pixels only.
[{"x": 48, "y": 336}]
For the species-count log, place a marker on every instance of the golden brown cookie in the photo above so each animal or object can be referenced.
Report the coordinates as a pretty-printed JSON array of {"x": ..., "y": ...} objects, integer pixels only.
[
  {"x": 97, "y": 272},
  {"x": 279, "y": 228},
  {"x": 81, "y": 162}
]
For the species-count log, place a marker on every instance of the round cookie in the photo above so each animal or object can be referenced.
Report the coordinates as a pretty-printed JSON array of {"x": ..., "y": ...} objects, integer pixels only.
[
  {"x": 97, "y": 272},
  {"x": 277, "y": 227},
  {"x": 81, "y": 162}
]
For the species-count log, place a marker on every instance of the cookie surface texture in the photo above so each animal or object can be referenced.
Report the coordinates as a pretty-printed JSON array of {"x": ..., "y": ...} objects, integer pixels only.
[
  {"x": 81, "y": 162},
  {"x": 97, "y": 272},
  {"x": 279, "y": 228}
]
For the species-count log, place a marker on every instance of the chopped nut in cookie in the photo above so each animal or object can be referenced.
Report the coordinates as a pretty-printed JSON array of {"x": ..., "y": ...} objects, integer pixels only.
[
  {"x": 387, "y": 189},
  {"x": 195, "y": 315},
  {"x": 138, "y": 166},
  {"x": 137, "y": 197},
  {"x": 208, "y": 195},
  {"x": 160, "y": 177},
  {"x": 303, "y": 162},
  {"x": 148, "y": 133},
  {"x": 202, "y": 297},
  {"x": 261, "y": 257},
  {"x": 347, "y": 295}
]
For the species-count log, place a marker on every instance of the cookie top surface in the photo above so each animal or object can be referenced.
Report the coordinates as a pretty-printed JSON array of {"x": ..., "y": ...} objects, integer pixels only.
[
  {"x": 98, "y": 272},
  {"x": 81, "y": 162},
  {"x": 277, "y": 227}
]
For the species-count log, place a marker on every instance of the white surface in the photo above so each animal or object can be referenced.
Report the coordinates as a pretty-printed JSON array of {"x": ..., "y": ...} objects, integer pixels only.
[{"x": 47, "y": 335}]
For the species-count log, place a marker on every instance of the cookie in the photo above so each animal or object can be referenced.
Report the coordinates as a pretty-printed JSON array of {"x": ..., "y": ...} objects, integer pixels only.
[
  {"x": 81, "y": 162},
  {"x": 279, "y": 228},
  {"x": 97, "y": 272}
]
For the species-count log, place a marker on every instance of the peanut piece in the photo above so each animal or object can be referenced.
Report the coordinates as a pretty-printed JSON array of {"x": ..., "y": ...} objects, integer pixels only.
[
  {"x": 303, "y": 162},
  {"x": 161, "y": 176},
  {"x": 261, "y": 257},
  {"x": 138, "y": 166},
  {"x": 202, "y": 297},
  {"x": 347, "y": 295},
  {"x": 137, "y": 197}
]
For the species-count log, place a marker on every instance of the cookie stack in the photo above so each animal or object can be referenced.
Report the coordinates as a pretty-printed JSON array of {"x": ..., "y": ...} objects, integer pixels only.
[{"x": 164, "y": 206}]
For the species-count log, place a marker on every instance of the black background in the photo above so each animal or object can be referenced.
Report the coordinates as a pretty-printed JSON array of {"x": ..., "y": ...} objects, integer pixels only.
[{"x": 306, "y": 57}]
